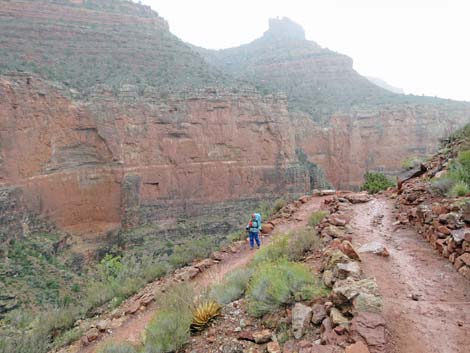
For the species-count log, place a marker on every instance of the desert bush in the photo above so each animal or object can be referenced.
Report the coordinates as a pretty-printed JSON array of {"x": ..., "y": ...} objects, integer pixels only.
[
  {"x": 411, "y": 163},
  {"x": 278, "y": 250},
  {"x": 185, "y": 253},
  {"x": 460, "y": 188},
  {"x": 232, "y": 287},
  {"x": 278, "y": 205},
  {"x": 34, "y": 341},
  {"x": 460, "y": 167},
  {"x": 276, "y": 284},
  {"x": 443, "y": 184},
  {"x": 118, "y": 348},
  {"x": 236, "y": 236},
  {"x": 301, "y": 242},
  {"x": 375, "y": 182},
  {"x": 317, "y": 217},
  {"x": 265, "y": 209},
  {"x": 169, "y": 329}
]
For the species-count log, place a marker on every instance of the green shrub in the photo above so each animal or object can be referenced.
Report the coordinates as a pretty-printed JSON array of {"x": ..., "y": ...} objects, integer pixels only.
[
  {"x": 317, "y": 217},
  {"x": 375, "y": 182},
  {"x": 411, "y": 163},
  {"x": 265, "y": 210},
  {"x": 118, "y": 348},
  {"x": 110, "y": 267},
  {"x": 185, "y": 253},
  {"x": 301, "y": 242},
  {"x": 169, "y": 329},
  {"x": 459, "y": 189},
  {"x": 278, "y": 205},
  {"x": 278, "y": 250},
  {"x": 443, "y": 184},
  {"x": 236, "y": 236},
  {"x": 460, "y": 167},
  {"x": 232, "y": 287},
  {"x": 276, "y": 284}
]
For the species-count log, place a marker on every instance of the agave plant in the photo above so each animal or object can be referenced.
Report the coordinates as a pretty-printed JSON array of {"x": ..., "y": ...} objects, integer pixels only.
[{"x": 203, "y": 314}]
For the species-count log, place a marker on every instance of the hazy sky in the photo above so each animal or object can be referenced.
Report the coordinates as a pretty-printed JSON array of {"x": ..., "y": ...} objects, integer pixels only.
[{"x": 422, "y": 46}]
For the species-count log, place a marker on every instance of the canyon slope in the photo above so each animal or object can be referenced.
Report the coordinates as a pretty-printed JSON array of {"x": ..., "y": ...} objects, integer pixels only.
[
  {"x": 108, "y": 120},
  {"x": 343, "y": 122}
]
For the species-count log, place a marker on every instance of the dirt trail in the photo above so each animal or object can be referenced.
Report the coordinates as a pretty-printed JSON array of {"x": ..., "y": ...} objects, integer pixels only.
[
  {"x": 439, "y": 320},
  {"x": 133, "y": 328}
]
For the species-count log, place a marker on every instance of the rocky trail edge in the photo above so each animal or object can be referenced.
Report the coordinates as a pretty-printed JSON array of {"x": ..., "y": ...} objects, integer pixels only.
[{"x": 426, "y": 303}]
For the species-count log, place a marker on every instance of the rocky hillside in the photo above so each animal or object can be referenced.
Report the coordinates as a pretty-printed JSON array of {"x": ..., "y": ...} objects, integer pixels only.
[
  {"x": 343, "y": 122},
  {"x": 98, "y": 42},
  {"x": 434, "y": 199}
]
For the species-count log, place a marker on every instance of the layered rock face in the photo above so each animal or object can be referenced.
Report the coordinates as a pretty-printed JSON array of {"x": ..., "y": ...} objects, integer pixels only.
[
  {"x": 380, "y": 140},
  {"x": 143, "y": 159},
  {"x": 94, "y": 42},
  {"x": 118, "y": 124},
  {"x": 344, "y": 123}
]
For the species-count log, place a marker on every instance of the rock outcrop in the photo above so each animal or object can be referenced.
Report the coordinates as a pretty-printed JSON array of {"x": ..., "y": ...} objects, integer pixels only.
[
  {"x": 142, "y": 160},
  {"x": 344, "y": 123}
]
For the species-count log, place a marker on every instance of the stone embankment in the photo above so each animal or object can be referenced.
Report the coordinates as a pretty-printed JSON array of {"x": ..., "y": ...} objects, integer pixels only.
[{"x": 443, "y": 222}]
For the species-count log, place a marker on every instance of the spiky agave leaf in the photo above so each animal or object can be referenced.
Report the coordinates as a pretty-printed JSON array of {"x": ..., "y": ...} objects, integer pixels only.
[{"x": 203, "y": 314}]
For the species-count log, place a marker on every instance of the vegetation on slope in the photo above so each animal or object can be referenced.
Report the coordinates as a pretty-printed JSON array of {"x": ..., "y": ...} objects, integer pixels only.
[
  {"x": 375, "y": 182},
  {"x": 85, "y": 49},
  {"x": 455, "y": 181}
]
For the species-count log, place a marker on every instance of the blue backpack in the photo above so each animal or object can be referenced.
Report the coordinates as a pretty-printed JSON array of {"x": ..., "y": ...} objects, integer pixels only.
[{"x": 258, "y": 219}]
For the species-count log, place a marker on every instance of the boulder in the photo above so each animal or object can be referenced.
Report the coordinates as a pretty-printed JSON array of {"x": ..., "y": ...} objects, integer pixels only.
[
  {"x": 337, "y": 318},
  {"x": 465, "y": 271},
  {"x": 459, "y": 235},
  {"x": 328, "y": 278},
  {"x": 357, "y": 347},
  {"x": 349, "y": 251},
  {"x": 327, "y": 192},
  {"x": 337, "y": 221},
  {"x": 132, "y": 308},
  {"x": 328, "y": 335},
  {"x": 334, "y": 232},
  {"x": 301, "y": 316},
  {"x": 357, "y": 197},
  {"x": 375, "y": 248},
  {"x": 273, "y": 347},
  {"x": 203, "y": 264},
  {"x": 318, "y": 314},
  {"x": 345, "y": 270},
  {"x": 370, "y": 328},
  {"x": 465, "y": 208},
  {"x": 102, "y": 325},
  {"x": 363, "y": 294},
  {"x": 92, "y": 334},
  {"x": 188, "y": 273},
  {"x": 217, "y": 256},
  {"x": 267, "y": 228},
  {"x": 465, "y": 258},
  {"x": 334, "y": 257},
  {"x": 304, "y": 199},
  {"x": 262, "y": 336}
]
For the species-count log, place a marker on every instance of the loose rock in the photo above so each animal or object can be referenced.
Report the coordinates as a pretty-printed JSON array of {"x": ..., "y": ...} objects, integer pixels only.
[{"x": 301, "y": 316}]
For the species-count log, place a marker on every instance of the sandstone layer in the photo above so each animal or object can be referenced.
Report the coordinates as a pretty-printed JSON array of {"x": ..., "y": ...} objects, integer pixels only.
[{"x": 142, "y": 160}]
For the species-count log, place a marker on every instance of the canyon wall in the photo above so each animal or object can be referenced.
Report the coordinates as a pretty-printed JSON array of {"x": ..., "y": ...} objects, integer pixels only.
[
  {"x": 123, "y": 124},
  {"x": 380, "y": 140},
  {"x": 135, "y": 160}
]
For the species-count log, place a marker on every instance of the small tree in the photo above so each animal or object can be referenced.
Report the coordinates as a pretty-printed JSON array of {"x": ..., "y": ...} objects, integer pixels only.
[{"x": 375, "y": 182}]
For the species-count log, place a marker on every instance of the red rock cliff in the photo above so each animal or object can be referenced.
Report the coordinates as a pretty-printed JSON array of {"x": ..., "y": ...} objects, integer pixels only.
[{"x": 150, "y": 159}]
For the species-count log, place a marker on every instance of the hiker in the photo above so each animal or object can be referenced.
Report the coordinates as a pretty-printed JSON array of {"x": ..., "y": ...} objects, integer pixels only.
[{"x": 253, "y": 227}]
